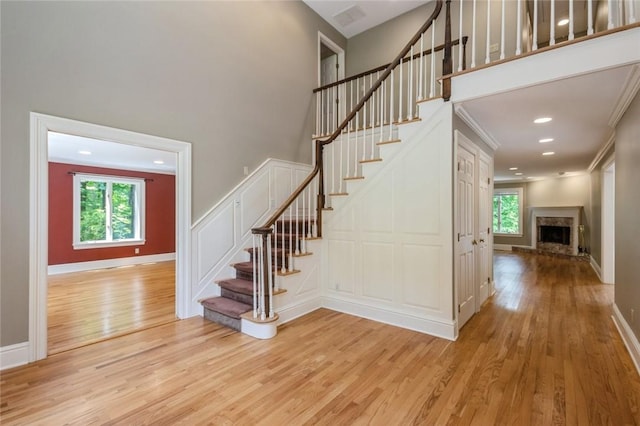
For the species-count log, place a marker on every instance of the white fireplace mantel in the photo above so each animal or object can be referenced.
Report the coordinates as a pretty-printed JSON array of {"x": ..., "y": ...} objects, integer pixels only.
[{"x": 564, "y": 211}]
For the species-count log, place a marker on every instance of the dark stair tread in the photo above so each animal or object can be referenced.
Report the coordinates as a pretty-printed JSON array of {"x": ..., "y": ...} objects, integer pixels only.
[
  {"x": 228, "y": 307},
  {"x": 237, "y": 285}
]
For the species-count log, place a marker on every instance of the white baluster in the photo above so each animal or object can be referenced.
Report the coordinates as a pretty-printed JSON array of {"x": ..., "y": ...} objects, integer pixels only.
[
  {"x": 631, "y": 15},
  {"x": 610, "y": 12},
  {"x": 334, "y": 121},
  {"x": 317, "y": 114},
  {"x": 382, "y": 97},
  {"x": 461, "y": 5},
  {"x": 261, "y": 280},
  {"x": 340, "y": 170},
  {"x": 373, "y": 104},
  {"x": 297, "y": 228},
  {"x": 352, "y": 104},
  {"x": 519, "y": 28},
  {"x": 432, "y": 87},
  {"x": 502, "y": 31},
  {"x": 473, "y": 36},
  {"x": 283, "y": 252},
  {"x": 290, "y": 241},
  {"x": 333, "y": 167},
  {"x": 270, "y": 269},
  {"x": 535, "y": 25},
  {"x": 570, "y": 19},
  {"x": 255, "y": 277},
  {"x": 400, "y": 118},
  {"x": 410, "y": 96},
  {"x": 552, "y": 24},
  {"x": 487, "y": 58},
  {"x": 392, "y": 103},
  {"x": 309, "y": 212},
  {"x": 348, "y": 162},
  {"x": 589, "y": 17}
]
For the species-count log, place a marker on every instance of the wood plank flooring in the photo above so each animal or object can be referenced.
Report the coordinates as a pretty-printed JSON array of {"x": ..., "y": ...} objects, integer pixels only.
[
  {"x": 86, "y": 307},
  {"x": 542, "y": 351}
]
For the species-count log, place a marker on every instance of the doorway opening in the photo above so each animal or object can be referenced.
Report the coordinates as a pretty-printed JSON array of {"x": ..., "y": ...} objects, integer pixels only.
[
  {"x": 41, "y": 125},
  {"x": 331, "y": 69}
]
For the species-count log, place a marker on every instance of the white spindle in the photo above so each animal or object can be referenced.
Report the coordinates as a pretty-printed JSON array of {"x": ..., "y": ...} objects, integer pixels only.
[
  {"x": 352, "y": 104},
  {"x": 421, "y": 73},
  {"x": 552, "y": 24},
  {"x": 410, "y": 96},
  {"x": 631, "y": 13},
  {"x": 502, "y": 31},
  {"x": 333, "y": 168},
  {"x": 297, "y": 228},
  {"x": 348, "y": 162},
  {"x": 372, "y": 127},
  {"x": 487, "y": 58},
  {"x": 519, "y": 28},
  {"x": 317, "y": 114},
  {"x": 610, "y": 12},
  {"x": 400, "y": 90},
  {"x": 391, "y": 102},
  {"x": 382, "y": 98},
  {"x": 261, "y": 280},
  {"x": 291, "y": 241},
  {"x": 589, "y": 17},
  {"x": 535, "y": 25},
  {"x": 283, "y": 252},
  {"x": 309, "y": 212},
  {"x": 269, "y": 268},
  {"x": 334, "y": 121},
  {"x": 461, "y": 5},
  {"x": 255, "y": 277},
  {"x": 432, "y": 86},
  {"x": 570, "y": 19},
  {"x": 473, "y": 36}
]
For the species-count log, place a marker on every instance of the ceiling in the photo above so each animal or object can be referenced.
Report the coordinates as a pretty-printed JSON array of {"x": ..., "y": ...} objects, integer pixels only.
[
  {"x": 79, "y": 150},
  {"x": 581, "y": 108},
  {"x": 352, "y": 17}
]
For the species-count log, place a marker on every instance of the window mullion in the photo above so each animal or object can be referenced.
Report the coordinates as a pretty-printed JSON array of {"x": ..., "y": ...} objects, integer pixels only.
[{"x": 108, "y": 209}]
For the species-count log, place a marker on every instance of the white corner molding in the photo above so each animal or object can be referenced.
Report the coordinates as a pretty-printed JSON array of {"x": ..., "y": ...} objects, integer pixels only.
[
  {"x": 601, "y": 153},
  {"x": 473, "y": 124},
  {"x": 630, "y": 340},
  {"x": 14, "y": 355},
  {"x": 109, "y": 263},
  {"x": 627, "y": 93},
  {"x": 595, "y": 267}
]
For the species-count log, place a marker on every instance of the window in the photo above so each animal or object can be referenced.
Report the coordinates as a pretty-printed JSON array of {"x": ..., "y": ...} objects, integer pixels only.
[
  {"x": 507, "y": 211},
  {"x": 107, "y": 211}
]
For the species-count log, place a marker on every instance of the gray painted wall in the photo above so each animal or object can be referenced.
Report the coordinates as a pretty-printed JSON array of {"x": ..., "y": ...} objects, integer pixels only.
[
  {"x": 627, "y": 219},
  {"x": 596, "y": 208},
  {"x": 232, "y": 78}
]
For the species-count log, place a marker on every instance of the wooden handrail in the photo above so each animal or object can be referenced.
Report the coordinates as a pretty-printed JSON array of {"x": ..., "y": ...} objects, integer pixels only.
[
  {"x": 383, "y": 67},
  {"x": 318, "y": 169}
]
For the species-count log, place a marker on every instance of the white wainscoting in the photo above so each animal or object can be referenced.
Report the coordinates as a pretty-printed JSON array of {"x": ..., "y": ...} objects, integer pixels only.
[
  {"x": 388, "y": 245},
  {"x": 221, "y": 236},
  {"x": 109, "y": 263}
]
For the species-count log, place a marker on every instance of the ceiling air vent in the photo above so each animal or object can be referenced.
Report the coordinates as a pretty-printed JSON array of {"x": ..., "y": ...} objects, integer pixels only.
[{"x": 349, "y": 15}]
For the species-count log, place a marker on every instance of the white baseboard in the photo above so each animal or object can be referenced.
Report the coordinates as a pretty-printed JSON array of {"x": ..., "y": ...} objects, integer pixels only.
[
  {"x": 291, "y": 312},
  {"x": 596, "y": 267},
  {"x": 109, "y": 263},
  {"x": 628, "y": 337},
  {"x": 14, "y": 355},
  {"x": 502, "y": 247},
  {"x": 445, "y": 330}
]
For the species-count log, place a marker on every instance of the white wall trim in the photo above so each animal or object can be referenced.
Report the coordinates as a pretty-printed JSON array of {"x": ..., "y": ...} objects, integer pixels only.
[
  {"x": 14, "y": 355},
  {"x": 435, "y": 327},
  {"x": 595, "y": 267},
  {"x": 109, "y": 263},
  {"x": 503, "y": 247},
  {"x": 600, "y": 155},
  {"x": 296, "y": 311},
  {"x": 40, "y": 125},
  {"x": 629, "y": 339},
  {"x": 473, "y": 124},
  {"x": 627, "y": 93}
]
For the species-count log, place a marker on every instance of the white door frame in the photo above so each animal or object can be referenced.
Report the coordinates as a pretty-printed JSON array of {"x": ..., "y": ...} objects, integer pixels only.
[
  {"x": 323, "y": 39},
  {"x": 39, "y": 203},
  {"x": 607, "y": 224}
]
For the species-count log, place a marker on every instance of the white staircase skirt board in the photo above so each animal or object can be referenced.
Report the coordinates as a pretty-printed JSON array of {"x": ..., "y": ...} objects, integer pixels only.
[
  {"x": 388, "y": 246},
  {"x": 629, "y": 339},
  {"x": 220, "y": 238}
]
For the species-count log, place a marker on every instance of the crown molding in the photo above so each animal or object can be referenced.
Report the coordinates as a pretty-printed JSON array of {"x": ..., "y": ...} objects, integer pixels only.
[
  {"x": 469, "y": 121},
  {"x": 600, "y": 155},
  {"x": 628, "y": 92}
]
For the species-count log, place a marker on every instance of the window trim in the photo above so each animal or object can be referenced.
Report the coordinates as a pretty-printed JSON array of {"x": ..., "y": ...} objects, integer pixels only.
[
  {"x": 520, "y": 192},
  {"x": 140, "y": 201}
]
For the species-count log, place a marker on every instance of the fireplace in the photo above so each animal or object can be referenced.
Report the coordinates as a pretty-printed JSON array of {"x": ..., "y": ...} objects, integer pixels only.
[
  {"x": 555, "y": 234},
  {"x": 555, "y": 229}
]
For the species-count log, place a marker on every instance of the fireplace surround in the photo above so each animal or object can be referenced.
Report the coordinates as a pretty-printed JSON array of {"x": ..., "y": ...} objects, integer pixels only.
[{"x": 555, "y": 229}]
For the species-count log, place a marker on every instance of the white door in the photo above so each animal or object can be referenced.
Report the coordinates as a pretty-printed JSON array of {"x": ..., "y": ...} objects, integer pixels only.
[
  {"x": 465, "y": 245},
  {"x": 329, "y": 74},
  {"x": 484, "y": 225}
]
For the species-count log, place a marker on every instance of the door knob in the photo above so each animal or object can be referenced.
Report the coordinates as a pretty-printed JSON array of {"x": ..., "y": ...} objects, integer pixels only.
[
  {"x": 474, "y": 242},
  {"x": 481, "y": 240}
]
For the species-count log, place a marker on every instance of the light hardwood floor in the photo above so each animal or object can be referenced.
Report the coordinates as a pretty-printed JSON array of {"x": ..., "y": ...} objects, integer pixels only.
[
  {"x": 86, "y": 307},
  {"x": 542, "y": 351}
]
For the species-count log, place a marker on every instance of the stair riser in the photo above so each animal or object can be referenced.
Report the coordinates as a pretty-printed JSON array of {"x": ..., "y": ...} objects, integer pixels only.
[
  {"x": 245, "y": 275},
  {"x": 240, "y": 297},
  {"x": 222, "y": 319}
]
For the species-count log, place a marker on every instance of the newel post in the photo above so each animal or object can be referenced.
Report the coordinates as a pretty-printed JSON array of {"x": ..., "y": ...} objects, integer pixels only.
[{"x": 447, "y": 61}]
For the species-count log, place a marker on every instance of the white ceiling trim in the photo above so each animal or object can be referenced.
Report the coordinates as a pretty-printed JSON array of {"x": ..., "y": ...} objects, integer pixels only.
[
  {"x": 627, "y": 93},
  {"x": 469, "y": 121},
  {"x": 600, "y": 155}
]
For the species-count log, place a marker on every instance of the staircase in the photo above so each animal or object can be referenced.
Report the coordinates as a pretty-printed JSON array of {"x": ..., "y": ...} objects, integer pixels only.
[{"x": 237, "y": 294}]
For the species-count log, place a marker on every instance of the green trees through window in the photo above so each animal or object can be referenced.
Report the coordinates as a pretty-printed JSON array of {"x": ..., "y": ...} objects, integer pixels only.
[
  {"x": 107, "y": 209},
  {"x": 507, "y": 212}
]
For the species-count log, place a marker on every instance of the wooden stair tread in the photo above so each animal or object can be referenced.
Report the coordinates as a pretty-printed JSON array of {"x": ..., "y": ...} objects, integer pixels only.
[
  {"x": 228, "y": 307},
  {"x": 353, "y": 177},
  {"x": 372, "y": 160},
  {"x": 389, "y": 142}
]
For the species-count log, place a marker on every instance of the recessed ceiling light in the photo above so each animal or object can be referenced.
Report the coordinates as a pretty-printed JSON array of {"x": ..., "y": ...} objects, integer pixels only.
[
  {"x": 562, "y": 22},
  {"x": 518, "y": 174},
  {"x": 513, "y": 168},
  {"x": 542, "y": 120},
  {"x": 545, "y": 140},
  {"x": 532, "y": 177},
  {"x": 548, "y": 153},
  {"x": 158, "y": 162},
  {"x": 84, "y": 152}
]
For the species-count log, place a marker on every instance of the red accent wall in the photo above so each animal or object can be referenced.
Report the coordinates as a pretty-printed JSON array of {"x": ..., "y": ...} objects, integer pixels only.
[{"x": 160, "y": 216}]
